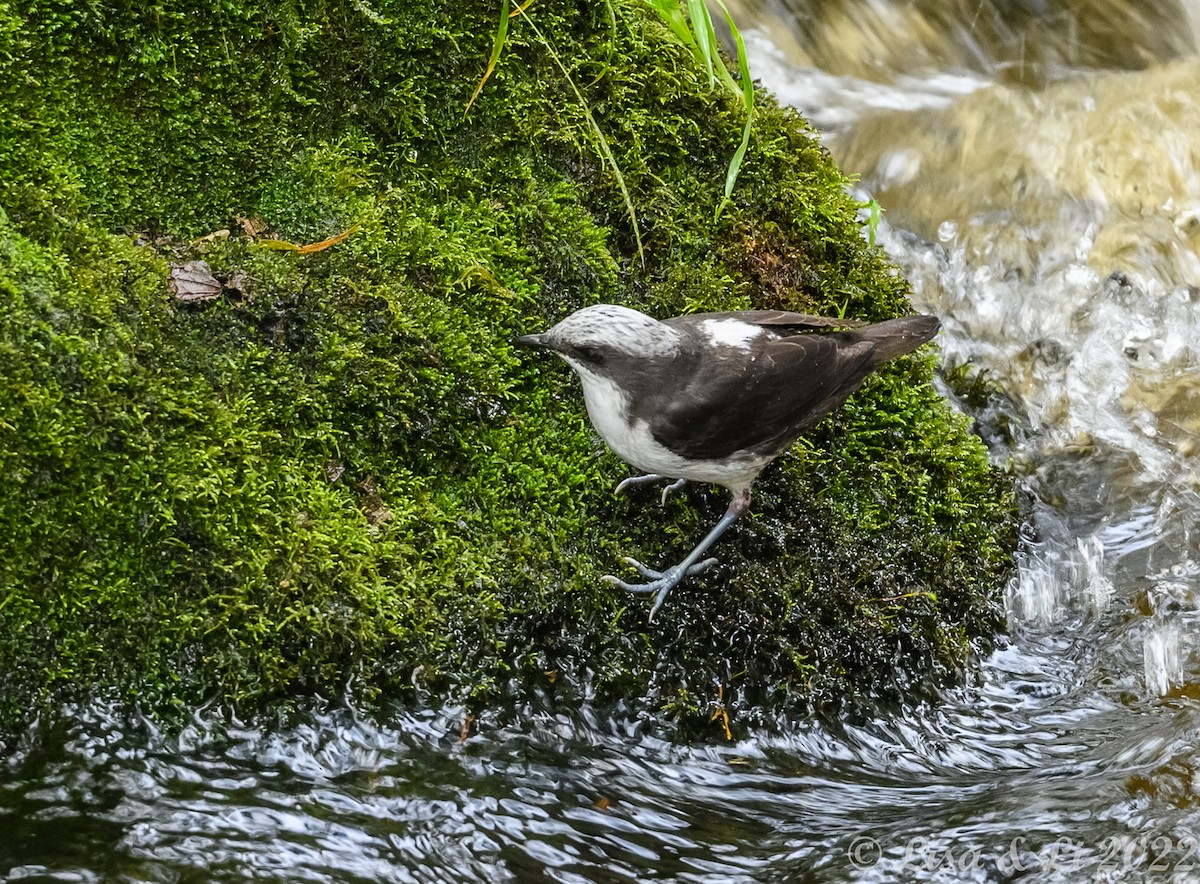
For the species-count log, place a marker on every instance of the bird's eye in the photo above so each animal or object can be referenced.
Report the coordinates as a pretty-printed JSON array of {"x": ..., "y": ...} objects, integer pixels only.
[{"x": 594, "y": 355}]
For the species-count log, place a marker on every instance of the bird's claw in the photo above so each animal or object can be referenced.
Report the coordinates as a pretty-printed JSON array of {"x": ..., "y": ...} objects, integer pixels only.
[
  {"x": 648, "y": 479},
  {"x": 661, "y": 582},
  {"x": 673, "y": 575},
  {"x": 674, "y": 486},
  {"x": 634, "y": 481},
  {"x": 645, "y": 570}
]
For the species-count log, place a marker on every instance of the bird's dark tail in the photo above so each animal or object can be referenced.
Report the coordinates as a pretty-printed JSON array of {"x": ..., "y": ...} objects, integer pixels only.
[{"x": 895, "y": 337}]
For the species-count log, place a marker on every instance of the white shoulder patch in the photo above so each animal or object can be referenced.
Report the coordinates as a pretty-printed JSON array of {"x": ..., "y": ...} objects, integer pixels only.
[{"x": 731, "y": 332}]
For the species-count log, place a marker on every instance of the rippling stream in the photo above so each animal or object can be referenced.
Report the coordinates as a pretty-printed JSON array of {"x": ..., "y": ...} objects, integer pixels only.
[{"x": 1041, "y": 187}]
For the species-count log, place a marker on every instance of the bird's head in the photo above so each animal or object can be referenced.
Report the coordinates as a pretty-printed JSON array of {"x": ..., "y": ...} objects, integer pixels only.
[{"x": 596, "y": 337}]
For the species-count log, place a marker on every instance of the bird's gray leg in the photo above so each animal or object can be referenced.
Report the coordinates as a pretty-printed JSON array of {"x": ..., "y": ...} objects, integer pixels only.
[{"x": 662, "y": 582}]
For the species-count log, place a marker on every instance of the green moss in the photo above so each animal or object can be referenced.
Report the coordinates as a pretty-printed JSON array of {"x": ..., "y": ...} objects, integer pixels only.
[{"x": 347, "y": 477}]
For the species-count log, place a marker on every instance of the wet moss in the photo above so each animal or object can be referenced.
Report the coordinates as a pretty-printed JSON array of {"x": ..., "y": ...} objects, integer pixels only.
[{"x": 341, "y": 477}]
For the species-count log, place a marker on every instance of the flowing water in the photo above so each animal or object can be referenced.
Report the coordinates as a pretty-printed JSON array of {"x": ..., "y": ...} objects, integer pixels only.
[{"x": 1039, "y": 167}]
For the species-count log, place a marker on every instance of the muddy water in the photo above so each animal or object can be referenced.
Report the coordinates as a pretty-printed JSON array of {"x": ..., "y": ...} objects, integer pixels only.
[{"x": 1038, "y": 167}]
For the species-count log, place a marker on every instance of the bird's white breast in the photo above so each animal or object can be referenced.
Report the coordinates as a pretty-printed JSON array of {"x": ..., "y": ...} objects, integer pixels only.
[{"x": 632, "y": 441}]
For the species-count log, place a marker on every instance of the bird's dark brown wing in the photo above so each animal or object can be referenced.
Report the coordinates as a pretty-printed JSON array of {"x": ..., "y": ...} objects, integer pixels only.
[{"x": 759, "y": 400}]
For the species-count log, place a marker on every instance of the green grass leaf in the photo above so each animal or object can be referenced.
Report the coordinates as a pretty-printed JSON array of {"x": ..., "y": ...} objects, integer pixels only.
[
  {"x": 701, "y": 38},
  {"x": 706, "y": 38},
  {"x": 673, "y": 17},
  {"x": 735, "y": 165},
  {"x": 612, "y": 43},
  {"x": 601, "y": 141},
  {"x": 497, "y": 48}
]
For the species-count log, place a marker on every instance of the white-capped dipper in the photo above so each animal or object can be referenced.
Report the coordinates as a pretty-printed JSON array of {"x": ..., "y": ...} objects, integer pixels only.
[{"x": 715, "y": 397}]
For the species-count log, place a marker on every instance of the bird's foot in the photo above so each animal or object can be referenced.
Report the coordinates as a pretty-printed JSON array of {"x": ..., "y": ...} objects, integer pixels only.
[
  {"x": 674, "y": 486},
  {"x": 649, "y": 479},
  {"x": 635, "y": 481},
  {"x": 660, "y": 582}
]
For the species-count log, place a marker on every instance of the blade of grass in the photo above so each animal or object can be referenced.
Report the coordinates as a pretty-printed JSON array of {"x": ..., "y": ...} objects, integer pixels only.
[
  {"x": 497, "y": 48},
  {"x": 722, "y": 70},
  {"x": 612, "y": 43},
  {"x": 601, "y": 141},
  {"x": 745, "y": 90},
  {"x": 695, "y": 31},
  {"x": 672, "y": 15},
  {"x": 874, "y": 216},
  {"x": 706, "y": 41},
  {"x": 700, "y": 36},
  {"x": 735, "y": 165}
]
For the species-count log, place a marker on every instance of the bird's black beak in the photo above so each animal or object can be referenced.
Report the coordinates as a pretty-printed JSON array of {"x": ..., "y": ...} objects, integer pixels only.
[{"x": 529, "y": 341}]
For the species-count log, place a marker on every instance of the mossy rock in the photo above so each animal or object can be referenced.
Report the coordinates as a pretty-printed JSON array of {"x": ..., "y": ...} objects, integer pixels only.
[{"x": 339, "y": 475}]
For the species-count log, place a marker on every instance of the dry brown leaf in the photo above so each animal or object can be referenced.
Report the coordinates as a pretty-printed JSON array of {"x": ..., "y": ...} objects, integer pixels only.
[
  {"x": 252, "y": 226},
  {"x": 192, "y": 282},
  {"x": 239, "y": 285},
  {"x": 282, "y": 245},
  {"x": 326, "y": 243},
  {"x": 334, "y": 469}
]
